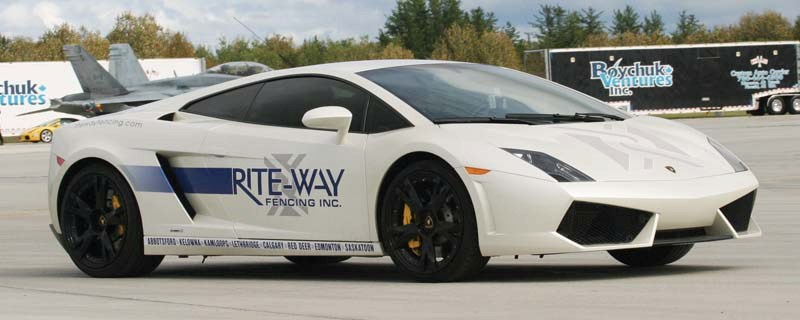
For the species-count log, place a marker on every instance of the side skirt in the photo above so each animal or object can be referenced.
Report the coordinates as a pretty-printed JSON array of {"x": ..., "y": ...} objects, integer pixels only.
[{"x": 252, "y": 247}]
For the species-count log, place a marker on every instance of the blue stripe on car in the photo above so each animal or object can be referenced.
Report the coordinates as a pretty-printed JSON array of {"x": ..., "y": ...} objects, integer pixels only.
[
  {"x": 205, "y": 180},
  {"x": 191, "y": 180}
]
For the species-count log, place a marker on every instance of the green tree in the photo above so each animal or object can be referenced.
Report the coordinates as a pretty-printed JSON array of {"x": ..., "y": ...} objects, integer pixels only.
[
  {"x": 418, "y": 24},
  {"x": 177, "y": 45},
  {"x": 19, "y": 49},
  {"x": 395, "y": 51},
  {"x": 410, "y": 25},
  {"x": 591, "y": 21},
  {"x": 143, "y": 33},
  {"x": 443, "y": 14},
  {"x": 625, "y": 20},
  {"x": 687, "y": 26},
  {"x": 464, "y": 43},
  {"x": 204, "y": 52},
  {"x": 767, "y": 26},
  {"x": 481, "y": 20},
  {"x": 558, "y": 28},
  {"x": 653, "y": 24},
  {"x": 49, "y": 46},
  {"x": 797, "y": 28}
]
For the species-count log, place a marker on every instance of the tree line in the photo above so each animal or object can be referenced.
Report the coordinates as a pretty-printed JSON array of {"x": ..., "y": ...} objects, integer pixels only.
[{"x": 422, "y": 29}]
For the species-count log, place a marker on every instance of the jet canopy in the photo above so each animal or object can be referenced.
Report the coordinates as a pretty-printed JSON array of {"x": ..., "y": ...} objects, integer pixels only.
[{"x": 239, "y": 68}]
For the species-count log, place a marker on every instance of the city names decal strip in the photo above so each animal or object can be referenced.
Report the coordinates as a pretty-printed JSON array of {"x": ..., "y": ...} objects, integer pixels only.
[{"x": 266, "y": 247}]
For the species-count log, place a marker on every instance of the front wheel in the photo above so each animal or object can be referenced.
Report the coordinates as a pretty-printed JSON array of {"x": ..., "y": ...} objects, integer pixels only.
[
  {"x": 651, "y": 257},
  {"x": 46, "y": 136},
  {"x": 428, "y": 224},
  {"x": 101, "y": 225}
]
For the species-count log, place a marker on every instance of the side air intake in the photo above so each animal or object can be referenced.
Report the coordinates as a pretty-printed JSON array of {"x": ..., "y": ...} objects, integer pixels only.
[
  {"x": 738, "y": 212},
  {"x": 169, "y": 173},
  {"x": 591, "y": 223}
]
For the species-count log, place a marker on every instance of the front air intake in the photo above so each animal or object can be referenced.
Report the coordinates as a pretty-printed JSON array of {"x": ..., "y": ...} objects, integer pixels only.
[
  {"x": 592, "y": 223},
  {"x": 738, "y": 212}
]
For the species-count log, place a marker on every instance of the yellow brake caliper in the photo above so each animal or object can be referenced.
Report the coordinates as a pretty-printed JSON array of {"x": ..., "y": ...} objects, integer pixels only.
[
  {"x": 115, "y": 205},
  {"x": 414, "y": 244}
]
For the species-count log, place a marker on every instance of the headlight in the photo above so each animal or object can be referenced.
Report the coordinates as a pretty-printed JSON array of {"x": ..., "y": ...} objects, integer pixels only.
[
  {"x": 557, "y": 169},
  {"x": 734, "y": 161}
]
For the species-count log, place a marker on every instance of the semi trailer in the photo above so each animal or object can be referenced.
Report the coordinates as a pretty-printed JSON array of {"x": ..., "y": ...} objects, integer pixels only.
[{"x": 757, "y": 77}]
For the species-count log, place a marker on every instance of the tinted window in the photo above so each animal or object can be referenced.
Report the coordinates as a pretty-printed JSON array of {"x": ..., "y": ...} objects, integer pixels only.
[
  {"x": 66, "y": 120},
  {"x": 231, "y": 105},
  {"x": 442, "y": 91},
  {"x": 381, "y": 118},
  {"x": 284, "y": 102}
]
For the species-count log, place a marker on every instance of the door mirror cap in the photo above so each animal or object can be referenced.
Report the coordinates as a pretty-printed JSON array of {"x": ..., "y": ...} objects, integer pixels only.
[{"x": 329, "y": 118}]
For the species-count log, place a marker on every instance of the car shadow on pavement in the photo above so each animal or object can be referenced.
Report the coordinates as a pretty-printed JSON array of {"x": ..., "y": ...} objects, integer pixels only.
[{"x": 386, "y": 272}]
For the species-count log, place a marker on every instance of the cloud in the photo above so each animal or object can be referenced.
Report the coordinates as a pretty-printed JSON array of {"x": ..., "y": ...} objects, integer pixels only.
[{"x": 48, "y": 13}]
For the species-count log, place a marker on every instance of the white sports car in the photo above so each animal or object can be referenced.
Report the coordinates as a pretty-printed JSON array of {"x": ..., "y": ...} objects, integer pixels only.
[{"x": 439, "y": 165}]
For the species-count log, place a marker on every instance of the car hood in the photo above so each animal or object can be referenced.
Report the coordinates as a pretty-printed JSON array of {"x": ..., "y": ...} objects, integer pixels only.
[{"x": 640, "y": 148}]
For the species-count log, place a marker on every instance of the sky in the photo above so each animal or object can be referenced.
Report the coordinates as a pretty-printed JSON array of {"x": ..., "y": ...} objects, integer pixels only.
[{"x": 207, "y": 21}]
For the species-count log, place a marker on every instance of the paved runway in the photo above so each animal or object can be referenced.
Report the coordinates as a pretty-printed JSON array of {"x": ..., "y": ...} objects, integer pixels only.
[{"x": 744, "y": 279}]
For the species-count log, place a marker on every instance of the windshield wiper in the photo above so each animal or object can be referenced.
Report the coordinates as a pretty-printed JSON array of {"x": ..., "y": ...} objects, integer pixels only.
[
  {"x": 602, "y": 115},
  {"x": 556, "y": 118},
  {"x": 487, "y": 120}
]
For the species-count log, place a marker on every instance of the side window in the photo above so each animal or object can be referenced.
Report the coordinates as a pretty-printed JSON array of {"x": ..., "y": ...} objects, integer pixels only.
[
  {"x": 284, "y": 102},
  {"x": 382, "y": 118},
  {"x": 230, "y": 105}
]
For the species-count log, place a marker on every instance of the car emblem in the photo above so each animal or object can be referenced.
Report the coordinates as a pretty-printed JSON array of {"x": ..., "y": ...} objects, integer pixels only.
[
  {"x": 670, "y": 169},
  {"x": 428, "y": 222}
]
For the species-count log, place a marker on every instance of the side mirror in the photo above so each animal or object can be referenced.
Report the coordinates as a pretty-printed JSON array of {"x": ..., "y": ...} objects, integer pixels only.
[{"x": 329, "y": 118}]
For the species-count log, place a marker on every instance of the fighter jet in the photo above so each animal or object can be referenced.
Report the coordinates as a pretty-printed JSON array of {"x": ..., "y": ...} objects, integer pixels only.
[{"x": 126, "y": 85}]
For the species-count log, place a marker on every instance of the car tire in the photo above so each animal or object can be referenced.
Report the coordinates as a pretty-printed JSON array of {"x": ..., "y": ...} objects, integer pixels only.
[
  {"x": 776, "y": 106},
  {"x": 652, "y": 256},
  {"x": 427, "y": 224},
  {"x": 101, "y": 225},
  {"x": 46, "y": 136},
  {"x": 316, "y": 260},
  {"x": 794, "y": 106}
]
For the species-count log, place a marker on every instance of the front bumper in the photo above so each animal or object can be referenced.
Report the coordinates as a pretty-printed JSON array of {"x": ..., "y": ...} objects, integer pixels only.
[{"x": 522, "y": 215}]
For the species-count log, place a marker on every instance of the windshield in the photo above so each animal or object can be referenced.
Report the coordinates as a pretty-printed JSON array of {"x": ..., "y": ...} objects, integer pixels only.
[{"x": 461, "y": 90}]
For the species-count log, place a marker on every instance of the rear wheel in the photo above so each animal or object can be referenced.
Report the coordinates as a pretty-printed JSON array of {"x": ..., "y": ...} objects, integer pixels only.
[
  {"x": 46, "y": 136},
  {"x": 101, "y": 225},
  {"x": 316, "y": 260},
  {"x": 794, "y": 107},
  {"x": 776, "y": 105},
  {"x": 651, "y": 257},
  {"x": 428, "y": 224}
]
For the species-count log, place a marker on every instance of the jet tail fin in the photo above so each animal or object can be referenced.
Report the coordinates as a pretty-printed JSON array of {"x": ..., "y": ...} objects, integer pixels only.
[
  {"x": 93, "y": 78},
  {"x": 124, "y": 66}
]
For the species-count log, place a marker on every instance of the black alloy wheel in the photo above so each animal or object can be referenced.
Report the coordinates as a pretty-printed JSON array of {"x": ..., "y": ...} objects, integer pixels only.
[
  {"x": 101, "y": 227},
  {"x": 428, "y": 224}
]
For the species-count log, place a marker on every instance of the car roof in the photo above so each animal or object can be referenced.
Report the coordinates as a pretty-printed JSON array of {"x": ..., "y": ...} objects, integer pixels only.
[
  {"x": 366, "y": 65},
  {"x": 351, "y": 67}
]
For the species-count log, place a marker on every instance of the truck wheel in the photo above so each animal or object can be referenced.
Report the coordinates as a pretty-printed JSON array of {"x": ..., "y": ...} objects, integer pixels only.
[
  {"x": 776, "y": 105},
  {"x": 651, "y": 257},
  {"x": 794, "y": 107}
]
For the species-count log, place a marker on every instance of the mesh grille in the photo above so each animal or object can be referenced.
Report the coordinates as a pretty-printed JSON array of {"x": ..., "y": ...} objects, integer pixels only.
[
  {"x": 591, "y": 223},
  {"x": 738, "y": 212}
]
